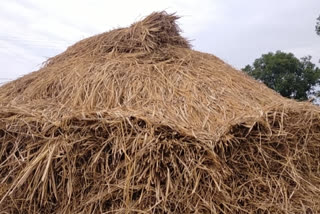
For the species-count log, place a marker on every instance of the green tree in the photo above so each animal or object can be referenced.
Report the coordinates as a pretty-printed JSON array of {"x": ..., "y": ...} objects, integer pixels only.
[
  {"x": 283, "y": 72},
  {"x": 318, "y": 26}
]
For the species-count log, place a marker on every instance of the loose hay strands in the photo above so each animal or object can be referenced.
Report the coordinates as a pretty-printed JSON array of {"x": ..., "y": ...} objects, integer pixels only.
[{"x": 134, "y": 121}]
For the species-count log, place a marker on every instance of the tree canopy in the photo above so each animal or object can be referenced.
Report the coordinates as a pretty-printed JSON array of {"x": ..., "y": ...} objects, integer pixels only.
[
  {"x": 286, "y": 74},
  {"x": 318, "y": 26}
]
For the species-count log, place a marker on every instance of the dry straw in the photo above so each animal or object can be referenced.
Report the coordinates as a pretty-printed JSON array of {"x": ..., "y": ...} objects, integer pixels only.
[{"x": 134, "y": 121}]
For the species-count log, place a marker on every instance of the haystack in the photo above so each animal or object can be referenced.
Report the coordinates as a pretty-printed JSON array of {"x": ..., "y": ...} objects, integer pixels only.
[{"x": 135, "y": 121}]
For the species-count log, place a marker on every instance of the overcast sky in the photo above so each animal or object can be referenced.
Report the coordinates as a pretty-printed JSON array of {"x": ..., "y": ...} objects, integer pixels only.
[{"x": 236, "y": 31}]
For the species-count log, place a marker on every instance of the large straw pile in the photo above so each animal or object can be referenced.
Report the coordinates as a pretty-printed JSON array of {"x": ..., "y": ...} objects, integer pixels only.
[{"x": 134, "y": 121}]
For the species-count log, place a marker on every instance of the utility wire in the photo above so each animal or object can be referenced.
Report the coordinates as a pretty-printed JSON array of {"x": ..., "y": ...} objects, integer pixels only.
[{"x": 36, "y": 42}]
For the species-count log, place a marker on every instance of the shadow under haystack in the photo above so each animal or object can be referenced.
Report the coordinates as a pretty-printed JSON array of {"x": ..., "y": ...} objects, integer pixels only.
[{"x": 135, "y": 121}]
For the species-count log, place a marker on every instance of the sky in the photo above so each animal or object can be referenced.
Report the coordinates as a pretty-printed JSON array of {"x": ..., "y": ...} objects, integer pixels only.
[{"x": 236, "y": 31}]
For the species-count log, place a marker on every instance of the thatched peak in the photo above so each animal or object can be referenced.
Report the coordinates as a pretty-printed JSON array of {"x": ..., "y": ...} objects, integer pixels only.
[{"x": 156, "y": 31}]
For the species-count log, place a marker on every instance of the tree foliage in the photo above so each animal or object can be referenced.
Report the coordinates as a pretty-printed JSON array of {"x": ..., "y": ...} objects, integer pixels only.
[
  {"x": 283, "y": 72},
  {"x": 318, "y": 26}
]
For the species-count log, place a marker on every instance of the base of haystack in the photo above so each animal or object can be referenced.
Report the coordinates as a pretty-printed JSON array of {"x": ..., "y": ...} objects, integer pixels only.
[{"x": 128, "y": 165}]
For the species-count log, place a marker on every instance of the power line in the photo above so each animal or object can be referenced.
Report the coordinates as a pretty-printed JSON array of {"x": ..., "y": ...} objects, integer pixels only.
[
  {"x": 36, "y": 42},
  {"x": 30, "y": 39},
  {"x": 39, "y": 45}
]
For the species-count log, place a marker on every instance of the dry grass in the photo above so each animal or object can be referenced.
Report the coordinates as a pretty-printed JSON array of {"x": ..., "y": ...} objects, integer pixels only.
[{"x": 134, "y": 121}]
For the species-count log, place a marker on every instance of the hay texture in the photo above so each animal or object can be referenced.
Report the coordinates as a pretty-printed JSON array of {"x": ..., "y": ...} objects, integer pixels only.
[{"x": 135, "y": 121}]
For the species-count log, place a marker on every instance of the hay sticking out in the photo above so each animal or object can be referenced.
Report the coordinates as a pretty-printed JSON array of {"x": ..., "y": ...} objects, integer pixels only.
[
  {"x": 156, "y": 31},
  {"x": 134, "y": 121}
]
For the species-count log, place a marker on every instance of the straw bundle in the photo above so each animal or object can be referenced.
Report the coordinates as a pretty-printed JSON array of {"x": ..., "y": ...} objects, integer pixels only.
[{"x": 134, "y": 121}]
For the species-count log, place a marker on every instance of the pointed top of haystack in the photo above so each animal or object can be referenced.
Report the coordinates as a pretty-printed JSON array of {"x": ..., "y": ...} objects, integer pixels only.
[{"x": 156, "y": 31}]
